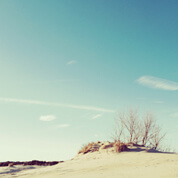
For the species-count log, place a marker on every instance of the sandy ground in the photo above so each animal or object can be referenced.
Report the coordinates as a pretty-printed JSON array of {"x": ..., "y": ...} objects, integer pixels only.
[{"x": 105, "y": 164}]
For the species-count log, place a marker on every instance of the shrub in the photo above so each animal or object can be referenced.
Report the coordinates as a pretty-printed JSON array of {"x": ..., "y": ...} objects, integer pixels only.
[
  {"x": 87, "y": 148},
  {"x": 92, "y": 147},
  {"x": 142, "y": 131},
  {"x": 119, "y": 146}
]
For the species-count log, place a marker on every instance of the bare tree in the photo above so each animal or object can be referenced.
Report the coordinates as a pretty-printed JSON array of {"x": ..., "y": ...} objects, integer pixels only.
[
  {"x": 148, "y": 130},
  {"x": 130, "y": 121},
  {"x": 118, "y": 131},
  {"x": 157, "y": 138},
  {"x": 139, "y": 131}
]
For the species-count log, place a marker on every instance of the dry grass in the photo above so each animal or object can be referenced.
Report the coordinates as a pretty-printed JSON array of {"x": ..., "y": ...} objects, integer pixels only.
[
  {"x": 92, "y": 147},
  {"x": 108, "y": 145},
  {"x": 119, "y": 147},
  {"x": 88, "y": 148}
]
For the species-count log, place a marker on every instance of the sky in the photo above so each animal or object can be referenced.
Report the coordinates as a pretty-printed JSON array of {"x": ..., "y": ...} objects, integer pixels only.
[{"x": 68, "y": 67}]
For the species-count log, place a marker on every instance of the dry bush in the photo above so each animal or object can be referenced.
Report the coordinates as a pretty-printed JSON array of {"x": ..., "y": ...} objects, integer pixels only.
[
  {"x": 119, "y": 147},
  {"x": 156, "y": 138},
  {"x": 138, "y": 132},
  {"x": 142, "y": 131},
  {"x": 130, "y": 122},
  {"x": 118, "y": 131},
  {"x": 127, "y": 124},
  {"x": 106, "y": 145},
  {"x": 110, "y": 145},
  {"x": 148, "y": 130},
  {"x": 88, "y": 148},
  {"x": 92, "y": 147}
]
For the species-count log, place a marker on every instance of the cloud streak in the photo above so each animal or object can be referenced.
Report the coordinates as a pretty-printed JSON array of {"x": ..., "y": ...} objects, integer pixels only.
[
  {"x": 96, "y": 116},
  {"x": 71, "y": 62},
  {"x": 158, "y": 83},
  {"x": 35, "y": 102},
  {"x": 47, "y": 118}
]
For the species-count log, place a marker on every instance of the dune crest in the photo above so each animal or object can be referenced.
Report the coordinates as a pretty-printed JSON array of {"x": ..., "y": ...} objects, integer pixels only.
[{"x": 137, "y": 161}]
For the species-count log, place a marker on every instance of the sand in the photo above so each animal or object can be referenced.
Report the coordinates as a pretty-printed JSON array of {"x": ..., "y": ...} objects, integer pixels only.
[{"x": 137, "y": 163}]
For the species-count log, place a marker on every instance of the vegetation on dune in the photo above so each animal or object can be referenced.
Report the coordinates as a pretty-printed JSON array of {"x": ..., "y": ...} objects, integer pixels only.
[
  {"x": 98, "y": 146},
  {"x": 119, "y": 146},
  {"x": 88, "y": 148},
  {"x": 131, "y": 127}
]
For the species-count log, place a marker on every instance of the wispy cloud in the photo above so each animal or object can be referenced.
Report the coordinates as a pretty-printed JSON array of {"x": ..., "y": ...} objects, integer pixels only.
[
  {"x": 82, "y": 107},
  {"x": 96, "y": 116},
  {"x": 158, "y": 83},
  {"x": 71, "y": 62},
  {"x": 47, "y": 118},
  {"x": 62, "y": 126}
]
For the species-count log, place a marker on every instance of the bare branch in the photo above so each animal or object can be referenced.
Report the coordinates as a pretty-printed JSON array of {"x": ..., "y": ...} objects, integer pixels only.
[{"x": 138, "y": 131}]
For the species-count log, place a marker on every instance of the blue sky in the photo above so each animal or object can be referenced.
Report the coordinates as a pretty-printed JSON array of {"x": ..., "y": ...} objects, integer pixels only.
[{"x": 68, "y": 67}]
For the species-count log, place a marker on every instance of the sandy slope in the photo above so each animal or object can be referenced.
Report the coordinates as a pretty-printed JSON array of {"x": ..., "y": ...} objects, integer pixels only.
[{"x": 107, "y": 164}]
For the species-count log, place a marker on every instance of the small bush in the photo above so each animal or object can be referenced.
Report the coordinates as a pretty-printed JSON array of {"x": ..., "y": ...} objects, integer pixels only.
[
  {"x": 87, "y": 148},
  {"x": 119, "y": 147},
  {"x": 92, "y": 147},
  {"x": 109, "y": 145},
  {"x": 130, "y": 127}
]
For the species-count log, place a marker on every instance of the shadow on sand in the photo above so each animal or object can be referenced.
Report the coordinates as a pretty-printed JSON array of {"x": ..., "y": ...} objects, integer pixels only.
[
  {"x": 12, "y": 170},
  {"x": 140, "y": 148}
]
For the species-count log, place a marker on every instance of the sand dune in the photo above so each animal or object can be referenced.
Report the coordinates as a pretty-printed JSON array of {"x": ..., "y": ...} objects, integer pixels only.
[{"x": 138, "y": 162}]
